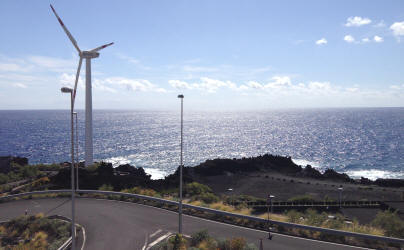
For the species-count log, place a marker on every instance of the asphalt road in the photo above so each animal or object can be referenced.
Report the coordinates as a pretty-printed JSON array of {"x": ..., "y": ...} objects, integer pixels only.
[{"x": 121, "y": 225}]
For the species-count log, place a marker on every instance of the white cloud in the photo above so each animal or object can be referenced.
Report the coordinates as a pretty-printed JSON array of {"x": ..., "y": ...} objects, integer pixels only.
[
  {"x": 322, "y": 41},
  {"x": 365, "y": 40},
  {"x": 53, "y": 64},
  {"x": 279, "y": 82},
  {"x": 357, "y": 21},
  {"x": 20, "y": 85},
  {"x": 349, "y": 39},
  {"x": 13, "y": 67},
  {"x": 212, "y": 85},
  {"x": 398, "y": 28},
  {"x": 98, "y": 85},
  {"x": 378, "y": 39},
  {"x": 134, "y": 84},
  {"x": 179, "y": 84},
  {"x": 255, "y": 85},
  {"x": 353, "y": 89},
  {"x": 68, "y": 80}
]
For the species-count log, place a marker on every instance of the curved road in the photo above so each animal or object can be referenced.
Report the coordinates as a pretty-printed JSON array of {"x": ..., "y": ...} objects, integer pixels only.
[{"x": 122, "y": 225}]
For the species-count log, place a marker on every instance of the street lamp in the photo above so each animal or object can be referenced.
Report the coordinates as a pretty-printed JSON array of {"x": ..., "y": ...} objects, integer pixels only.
[
  {"x": 270, "y": 197},
  {"x": 340, "y": 196},
  {"x": 231, "y": 196},
  {"x": 181, "y": 166},
  {"x": 69, "y": 90},
  {"x": 77, "y": 152}
]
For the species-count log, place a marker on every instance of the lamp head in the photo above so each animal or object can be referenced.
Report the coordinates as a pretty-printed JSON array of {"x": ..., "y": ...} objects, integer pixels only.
[
  {"x": 180, "y": 96},
  {"x": 66, "y": 90}
]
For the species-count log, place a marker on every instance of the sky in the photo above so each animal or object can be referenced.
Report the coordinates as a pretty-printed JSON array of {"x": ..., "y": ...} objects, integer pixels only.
[{"x": 222, "y": 55}]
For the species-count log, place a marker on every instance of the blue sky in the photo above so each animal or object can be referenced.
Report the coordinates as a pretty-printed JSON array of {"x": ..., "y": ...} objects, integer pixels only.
[{"x": 230, "y": 55}]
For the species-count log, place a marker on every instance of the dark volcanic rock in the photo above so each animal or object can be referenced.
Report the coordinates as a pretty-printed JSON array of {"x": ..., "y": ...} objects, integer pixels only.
[
  {"x": 311, "y": 172},
  {"x": 7, "y": 161},
  {"x": 331, "y": 174}
]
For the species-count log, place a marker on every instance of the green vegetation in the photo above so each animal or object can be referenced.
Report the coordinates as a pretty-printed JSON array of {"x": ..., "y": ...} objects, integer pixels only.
[
  {"x": 20, "y": 173},
  {"x": 48, "y": 167},
  {"x": 197, "y": 191},
  {"x": 203, "y": 241},
  {"x": 106, "y": 187},
  {"x": 302, "y": 198},
  {"x": 312, "y": 218},
  {"x": 33, "y": 232},
  {"x": 390, "y": 222}
]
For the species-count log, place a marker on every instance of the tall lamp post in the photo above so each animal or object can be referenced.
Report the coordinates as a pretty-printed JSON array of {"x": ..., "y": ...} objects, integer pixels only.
[
  {"x": 181, "y": 166},
  {"x": 270, "y": 197},
  {"x": 77, "y": 152},
  {"x": 340, "y": 196},
  {"x": 69, "y": 90}
]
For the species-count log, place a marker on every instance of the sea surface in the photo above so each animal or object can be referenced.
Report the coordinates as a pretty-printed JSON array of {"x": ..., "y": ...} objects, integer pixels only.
[{"x": 365, "y": 142}]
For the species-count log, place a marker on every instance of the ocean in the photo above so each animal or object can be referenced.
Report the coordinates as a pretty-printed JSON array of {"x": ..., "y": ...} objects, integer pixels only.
[{"x": 364, "y": 142}]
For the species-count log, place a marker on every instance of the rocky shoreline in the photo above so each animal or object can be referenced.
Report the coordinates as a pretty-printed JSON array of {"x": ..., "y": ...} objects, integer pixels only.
[{"x": 265, "y": 163}]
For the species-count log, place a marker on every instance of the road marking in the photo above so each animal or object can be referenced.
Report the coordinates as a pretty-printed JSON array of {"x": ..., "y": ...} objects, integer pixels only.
[
  {"x": 245, "y": 228},
  {"x": 145, "y": 242},
  {"x": 158, "y": 240},
  {"x": 84, "y": 236},
  {"x": 155, "y": 233}
]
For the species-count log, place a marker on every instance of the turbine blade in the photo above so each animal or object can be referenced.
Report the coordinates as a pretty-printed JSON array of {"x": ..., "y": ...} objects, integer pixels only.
[
  {"x": 66, "y": 30},
  {"x": 77, "y": 79},
  {"x": 101, "y": 47}
]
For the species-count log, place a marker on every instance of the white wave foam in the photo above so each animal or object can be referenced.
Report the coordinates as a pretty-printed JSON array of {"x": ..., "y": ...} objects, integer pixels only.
[
  {"x": 373, "y": 174},
  {"x": 116, "y": 161},
  {"x": 304, "y": 163},
  {"x": 156, "y": 173}
]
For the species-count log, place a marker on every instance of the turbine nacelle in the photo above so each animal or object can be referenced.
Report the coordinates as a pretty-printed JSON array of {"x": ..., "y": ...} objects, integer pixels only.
[{"x": 89, "y": 54}]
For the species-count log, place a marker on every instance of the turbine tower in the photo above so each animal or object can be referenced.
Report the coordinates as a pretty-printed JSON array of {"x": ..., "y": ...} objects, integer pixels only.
[{"x": 88, "y": 55}]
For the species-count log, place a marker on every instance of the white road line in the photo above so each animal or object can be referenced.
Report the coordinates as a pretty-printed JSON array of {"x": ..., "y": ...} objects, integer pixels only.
[
  {"x": 245, "y": 228},
  {"x": 158, "y": 240},
  {"x": 145, "y": 242},
  {"x": 84, "y": 237},
  {"x": 155, "y": 233}
]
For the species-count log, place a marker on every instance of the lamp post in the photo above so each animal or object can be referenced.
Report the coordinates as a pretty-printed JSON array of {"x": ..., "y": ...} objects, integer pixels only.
[
  {"x": 340, "y": 196},
  {"x": 181, "y": 166},
  {"x": 77, "y": 152},
  {"x": 69, "y": 90},
  {"x": 231, "y": 196},
  {"x": 270, "y": 197}
]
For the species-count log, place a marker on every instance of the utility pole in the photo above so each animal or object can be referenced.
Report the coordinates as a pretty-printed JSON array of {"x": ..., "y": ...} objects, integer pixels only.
[{"x": 181, "y": 166}]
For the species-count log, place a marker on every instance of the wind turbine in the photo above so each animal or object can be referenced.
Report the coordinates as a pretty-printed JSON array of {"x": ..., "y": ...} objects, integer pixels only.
[{"x": 88, "y": 55}]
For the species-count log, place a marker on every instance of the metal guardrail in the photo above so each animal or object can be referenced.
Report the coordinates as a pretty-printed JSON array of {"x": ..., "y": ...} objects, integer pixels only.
[
  {"x": 219, "y": 212},
  {"x": 281, "y": 204}
]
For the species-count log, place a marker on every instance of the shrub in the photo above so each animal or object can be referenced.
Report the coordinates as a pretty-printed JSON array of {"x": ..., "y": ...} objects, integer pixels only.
[
  {"x": 4, "y": 178},
  {"x": 314, "y": 218},
  {"x": 106, "y": 187},
  {"x": 207, "y": 198},
  {"x": 294, "y": 216},
  {"x": 196, "y": 188},
  {"x": 208, "y": 244},
  {"x": 302, "y": 198},
  {"x": 178, "y": 242},
  {"x": 142, "y": 191},
  {"x": 198, "y": 237},
  {"x": 237, "y": 243},
  {"x": 390, "y": 222}
]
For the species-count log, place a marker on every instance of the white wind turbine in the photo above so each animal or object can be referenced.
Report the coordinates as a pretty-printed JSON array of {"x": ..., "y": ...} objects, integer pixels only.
[{"x": 88, "y": 55}]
